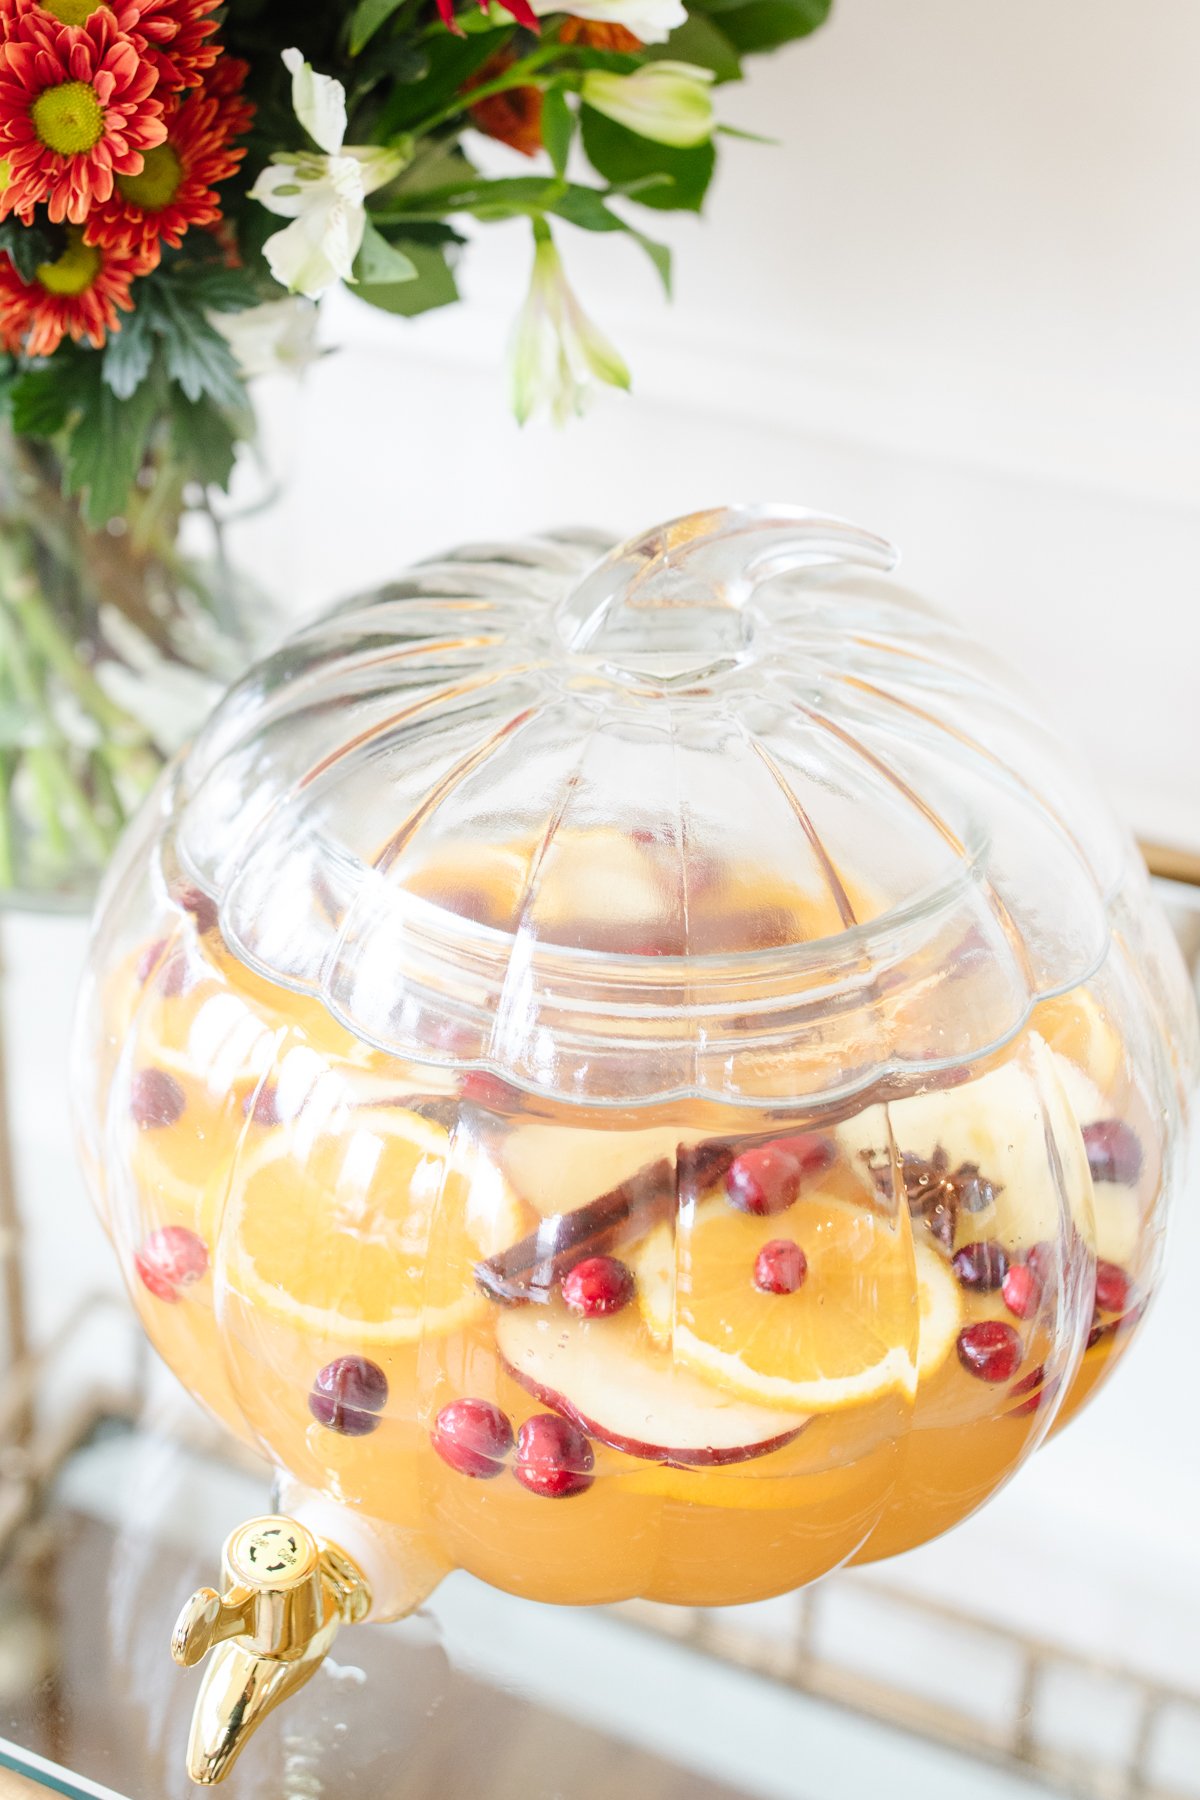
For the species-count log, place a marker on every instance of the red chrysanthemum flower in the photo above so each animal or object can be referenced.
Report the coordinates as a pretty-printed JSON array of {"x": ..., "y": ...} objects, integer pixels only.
[
  {"x": 177, "y": 184},
  {"x": 521, "y": 11},
  {"x": 77, "y": 296},
  {"x": 77, "y": 107},
  {"x": 171, "y": 35}
]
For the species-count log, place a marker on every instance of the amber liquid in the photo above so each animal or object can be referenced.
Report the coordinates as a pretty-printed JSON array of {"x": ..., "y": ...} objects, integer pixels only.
[{"x": 861, "y": 1480}]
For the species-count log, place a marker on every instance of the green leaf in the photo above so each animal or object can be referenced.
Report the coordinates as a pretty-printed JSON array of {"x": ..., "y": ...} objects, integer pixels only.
[
  {"x": 701, "y": 42},
  {"x": 29, "y": 245},
  {"x": 195, "y": 353},
  {"x": 204, "y": 439},
  {"x": 366, "y": 19},
  {"x": 107, "y": 442},
  {"x": 452, "y": 62},
  {"x": 127, "y": 356},
  {"x": 558, "y": 127},
  {"x": 380, "y": 264},
  {"x": 219, "y": 289},
  {"x": 432, "y": 284},
  {"x": 42, "y": 398},
  {"x": 660, "y": 256},
  {"x": 586, "y": 208},
  {"x": 438, "y": 163},
  {"x": 621, "y": 156},
  {"x": 765, "y": 24}
]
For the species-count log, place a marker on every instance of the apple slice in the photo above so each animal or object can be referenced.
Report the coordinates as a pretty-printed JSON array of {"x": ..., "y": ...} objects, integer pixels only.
[
  {"x": 559, "y": 1168},
  {"x": 606, "y": 1376}
]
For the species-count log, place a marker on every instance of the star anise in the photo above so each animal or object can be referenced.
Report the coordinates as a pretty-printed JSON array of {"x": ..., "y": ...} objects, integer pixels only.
[{"x": 935, "y": 1193}]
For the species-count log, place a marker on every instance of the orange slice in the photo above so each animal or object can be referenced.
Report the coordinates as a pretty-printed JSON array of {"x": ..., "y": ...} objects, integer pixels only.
[
  {"x": 848, "y": 1335},
  {"x": 369, "y": 1232}
]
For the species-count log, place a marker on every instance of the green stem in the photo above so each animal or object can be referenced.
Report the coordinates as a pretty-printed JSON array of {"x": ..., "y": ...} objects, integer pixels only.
[
  {"x": 516, "y": 76},
  {"x": 8, "y": 843}
]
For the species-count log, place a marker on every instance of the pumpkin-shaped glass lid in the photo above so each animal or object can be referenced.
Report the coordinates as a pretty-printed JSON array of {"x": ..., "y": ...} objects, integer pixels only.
[{"x": 725, "y": 812}]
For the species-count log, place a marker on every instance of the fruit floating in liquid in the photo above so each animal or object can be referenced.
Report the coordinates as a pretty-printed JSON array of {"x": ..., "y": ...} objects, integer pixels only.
[{"x": 744, "y": 1350}]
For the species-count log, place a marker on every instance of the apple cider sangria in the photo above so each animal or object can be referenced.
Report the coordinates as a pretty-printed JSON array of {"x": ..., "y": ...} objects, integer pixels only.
[
  {"x": 641, "y": 1077},
  {"x": 746, "y": 1344}
]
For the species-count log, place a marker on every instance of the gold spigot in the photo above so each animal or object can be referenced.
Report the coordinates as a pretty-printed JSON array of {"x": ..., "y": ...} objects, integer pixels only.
[{"x": 286, "y": 1593}]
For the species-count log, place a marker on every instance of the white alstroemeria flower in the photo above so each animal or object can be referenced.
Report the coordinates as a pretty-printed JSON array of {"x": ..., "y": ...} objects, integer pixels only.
[
  {"x": 651, "y": 20},
  {"x": 557, "y": 353},
  {"x": 666, "y": 101},
  {"x": 278, "y": 336},
  {"x": 323, "y": 194}
]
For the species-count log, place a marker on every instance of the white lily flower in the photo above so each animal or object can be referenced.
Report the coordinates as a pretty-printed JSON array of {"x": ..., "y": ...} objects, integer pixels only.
[
  {"x": 651, "y": 20},
  {"x": 669, "y": 102},
  {"x": 557, "y": 353},
  {"x": 324, "y": 195},
  {"x": 278, "y": 336}
]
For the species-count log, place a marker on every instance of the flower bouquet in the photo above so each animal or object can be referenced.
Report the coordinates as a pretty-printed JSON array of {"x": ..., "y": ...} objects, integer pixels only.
[{"x": 178, "y": 184}]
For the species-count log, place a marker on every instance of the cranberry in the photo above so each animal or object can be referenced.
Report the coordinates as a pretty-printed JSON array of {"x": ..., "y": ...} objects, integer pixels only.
[
  {"x": 813, "y": 1152},
  {"x": 990, "y": 1349},
  {"x": 598, "y": 1286},
  {"x": 981, "y": 1267},
  {"x": 1022, "y": 1290},
  {"x": 348, "y": 1394},
  {"x": 150, "y": 958},
  {"x": 262, "y": 1106},
  {"x": 1036, "y": 1389},
  {"x": 1114, "y": 1151},
  {"x": 155, "y": 1099},
  {"x": 170, "y": 1260},
  {"x": 554, "y": 1458},
  {"x": 1112, "y": 1288},
  {"x": 1042, "y": 1258},
  {"x": 780, "y": 1267},
  {"x": 489, "y": 1090},
  {"x": 202, "y": 907},
  {"x": 474, "y": 1437},
  {"x": 764, "y": 1179},
  {"x": 176, "y": 976}
]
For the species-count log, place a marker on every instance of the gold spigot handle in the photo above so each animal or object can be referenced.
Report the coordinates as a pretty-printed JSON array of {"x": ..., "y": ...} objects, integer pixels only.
[{"x": 286, "y": 1593}]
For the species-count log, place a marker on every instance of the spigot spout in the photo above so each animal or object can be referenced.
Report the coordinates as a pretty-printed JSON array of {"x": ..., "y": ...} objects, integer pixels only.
[{"x": 286, "y": 1594}]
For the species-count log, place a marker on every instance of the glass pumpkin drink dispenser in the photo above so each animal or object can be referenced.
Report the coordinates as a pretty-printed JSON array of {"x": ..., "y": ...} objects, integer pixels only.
[{"x": 641, "y": 1076}]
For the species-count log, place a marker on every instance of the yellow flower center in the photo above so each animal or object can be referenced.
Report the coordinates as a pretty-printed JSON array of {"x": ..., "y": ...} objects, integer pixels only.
[
  {"x": 69, "y": 118},
  {"x": 74, "y": 271},
  {"x": 72, "y": 12},
  {"x": 156, "y": 182}
]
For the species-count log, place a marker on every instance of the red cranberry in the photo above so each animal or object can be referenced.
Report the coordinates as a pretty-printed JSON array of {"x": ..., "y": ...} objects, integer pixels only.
[
  {"x": 202, "y": 907},
  {"x": 1112, "y": 1288},
  {"x": 176, "y": 976},
  {"x": 348, "y": 1394},
  {"x": 489, "y": 1090},
  {"x": 150, "y": 958},
  {"x": 1036, "y": 1389},
  {"x": 1114, "y": 1151},
  {"x": 990, "y": 1349},
  {"x": 598, "y": 1286},
  {"x": 981, "y": 1267},
  {"x": 780, "y": 1267},
  {"x": 1022, "y": 1291},
  {"x": 1042, "y": 1258},
  {"x": 155, "y": 1099},
  {"x": 813, "y": 1152},
  {"x": 170, "y": 1260},
  {"x": 763, "y": 1179},
  {"x": 262, "y": 1106},
  {"x": 554, "y": 1458},
  {"x": 474, "y": 1437}
]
